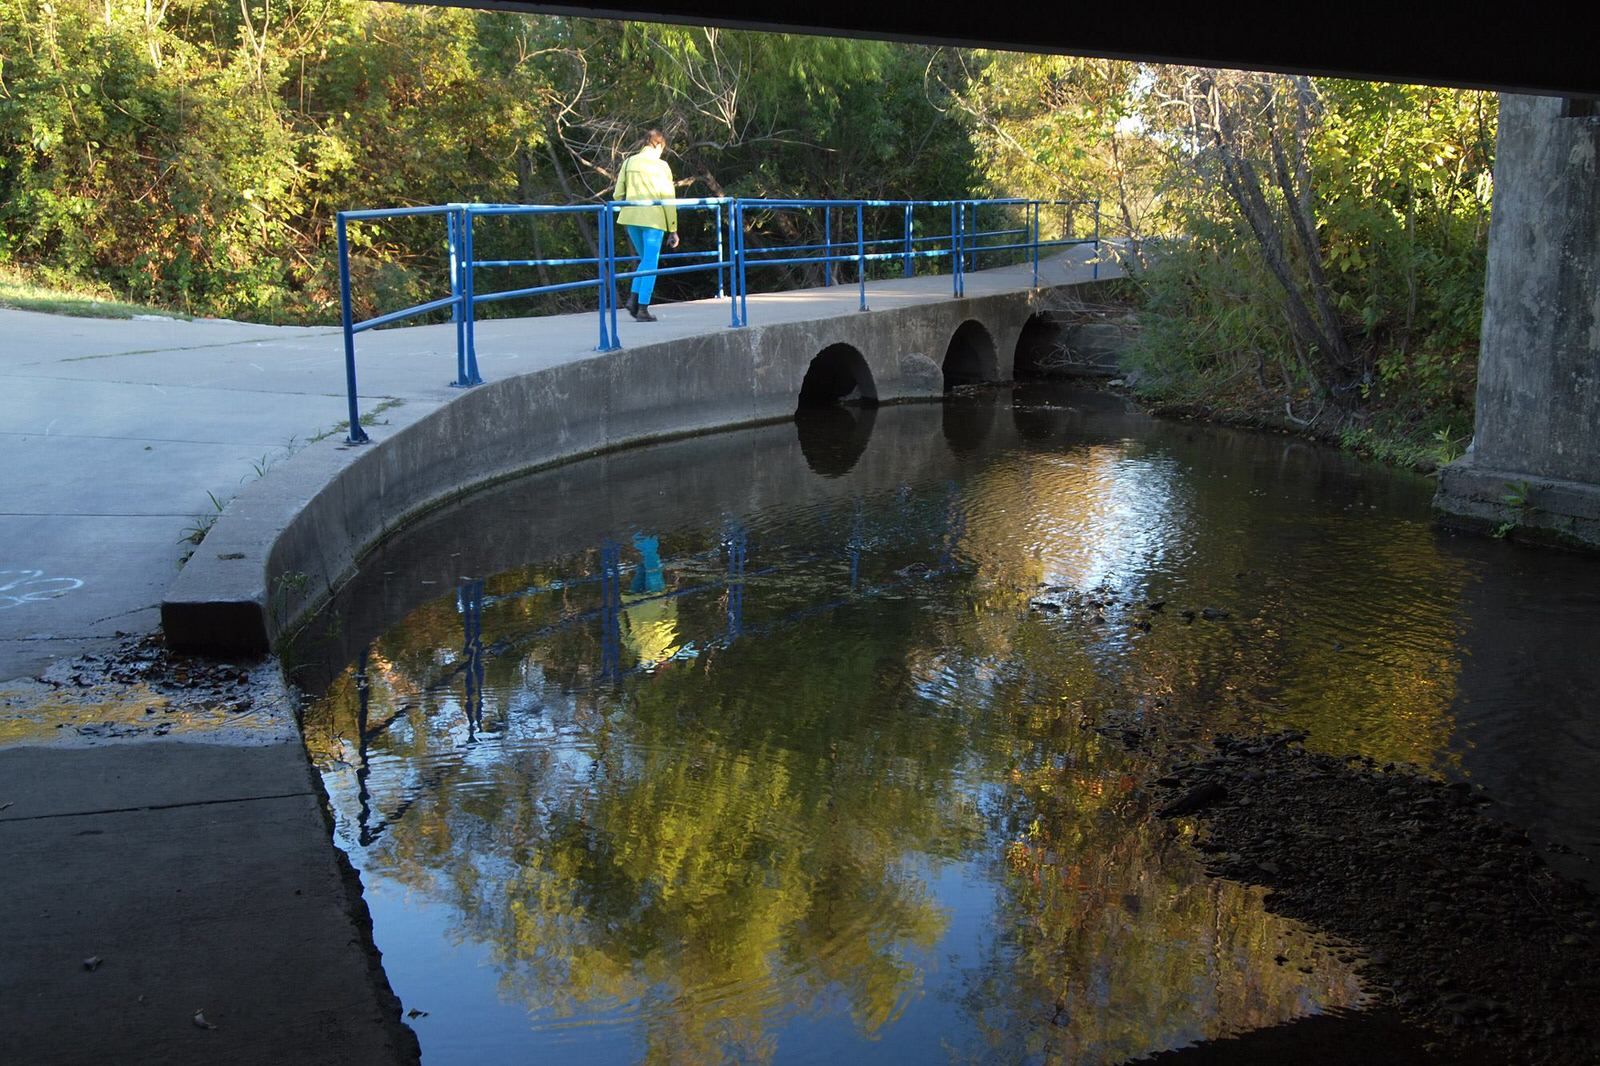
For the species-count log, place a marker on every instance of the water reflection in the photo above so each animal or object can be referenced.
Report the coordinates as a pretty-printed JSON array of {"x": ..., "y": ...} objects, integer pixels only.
[
  {"x": 775, "y": 765},
  {"x": 703, "y": 855},
  {"x": 969, "y": 421},
  {"x": 833, "y": 438}
]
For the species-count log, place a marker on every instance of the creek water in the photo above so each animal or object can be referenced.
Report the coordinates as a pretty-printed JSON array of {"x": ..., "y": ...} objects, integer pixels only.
[{"x": 824, "y": 740}]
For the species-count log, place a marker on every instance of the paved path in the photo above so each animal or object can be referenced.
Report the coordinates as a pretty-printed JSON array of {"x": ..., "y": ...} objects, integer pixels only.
[
  {"x": 175, "y": 838},
  {"x": 116, "y": 433},
  {"x": 194, "y": 878},
  {"x": 121, "y": 436}
]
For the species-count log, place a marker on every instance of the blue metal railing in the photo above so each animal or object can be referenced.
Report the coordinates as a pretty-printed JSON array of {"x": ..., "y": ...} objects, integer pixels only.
[{"x": 962, "y": 244}]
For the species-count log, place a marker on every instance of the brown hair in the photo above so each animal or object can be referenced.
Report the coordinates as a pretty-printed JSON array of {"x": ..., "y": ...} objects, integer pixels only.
[{"x": 654, "y": 139}]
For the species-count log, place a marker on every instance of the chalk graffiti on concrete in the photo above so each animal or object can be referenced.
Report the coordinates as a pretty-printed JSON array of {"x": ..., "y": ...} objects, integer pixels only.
[{"x": 18, "y": 587}]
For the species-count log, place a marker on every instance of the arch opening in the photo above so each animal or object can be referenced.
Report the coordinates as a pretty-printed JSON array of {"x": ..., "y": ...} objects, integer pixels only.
[
  {"x": 837, "y": 374},
  {"x": 1041, "y": 348},
  {"x": 970, "y": 358}
]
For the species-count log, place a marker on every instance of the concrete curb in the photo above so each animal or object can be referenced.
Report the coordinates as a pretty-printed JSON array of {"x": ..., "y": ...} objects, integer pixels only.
[{"x": 287, "y": 543}]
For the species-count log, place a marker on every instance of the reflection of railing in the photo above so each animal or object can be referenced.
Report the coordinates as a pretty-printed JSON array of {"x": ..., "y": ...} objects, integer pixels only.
[
  {"x": 884, "y": 232},
  {"x": 733, "y": 549}
]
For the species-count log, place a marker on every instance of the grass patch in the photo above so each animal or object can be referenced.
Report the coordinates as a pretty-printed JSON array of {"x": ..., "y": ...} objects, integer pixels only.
[
  {"x": 1423, "y": 454},
  {"x": 22, "y": 292},
  {"x": 368, "y": 419}
]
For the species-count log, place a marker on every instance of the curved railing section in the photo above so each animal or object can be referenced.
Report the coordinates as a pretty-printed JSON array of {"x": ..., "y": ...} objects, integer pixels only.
[{"x": 858, "y": 233}]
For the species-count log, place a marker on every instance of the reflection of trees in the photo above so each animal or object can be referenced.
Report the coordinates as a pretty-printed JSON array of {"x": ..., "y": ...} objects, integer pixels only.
[
  {"x": 718, "y": 839},
  {"x": 723, "y": 875},
  {"x": 1118, "y": 945},
  {"x": 1109, "y": 941},
  {"x": 1110, "y": 944},
  {"x": 767, "y": 849},
  {"x": 701, "y": 802}
]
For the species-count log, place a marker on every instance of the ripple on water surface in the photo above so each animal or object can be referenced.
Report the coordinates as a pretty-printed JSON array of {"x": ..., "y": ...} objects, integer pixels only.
[{"x": 749, "y": 750}]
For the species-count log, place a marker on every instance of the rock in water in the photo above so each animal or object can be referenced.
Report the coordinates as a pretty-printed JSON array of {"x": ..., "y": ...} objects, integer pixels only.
[{"x": 1197, "y": 798}]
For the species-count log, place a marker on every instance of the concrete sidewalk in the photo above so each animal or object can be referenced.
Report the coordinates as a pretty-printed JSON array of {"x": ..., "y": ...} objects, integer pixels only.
[
  {"x": 193, "y": 878},
  {"x": 177, "y": 839},
  {"x": 122, "y": 436}
]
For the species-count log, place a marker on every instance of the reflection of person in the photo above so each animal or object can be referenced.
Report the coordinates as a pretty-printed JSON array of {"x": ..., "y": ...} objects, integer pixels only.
[
  {"x": 651, "y": 622},
  {"x": 649, "y": 577},
  {"x": 646, "y": 176}
]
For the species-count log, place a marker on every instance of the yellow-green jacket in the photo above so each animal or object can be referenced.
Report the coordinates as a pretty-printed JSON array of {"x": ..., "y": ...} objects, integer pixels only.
[{"x": 644, "y": 178}]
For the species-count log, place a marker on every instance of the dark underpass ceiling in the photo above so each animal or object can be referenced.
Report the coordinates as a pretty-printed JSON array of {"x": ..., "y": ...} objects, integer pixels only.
[{"x": 1520, "y": 48}]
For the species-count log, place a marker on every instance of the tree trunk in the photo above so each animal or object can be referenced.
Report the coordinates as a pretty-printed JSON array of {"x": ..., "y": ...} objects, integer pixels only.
[
  {"x": 1297, "y": 197},
  {"x": 1244, "y": 187},
  {"x": 585, "y": 227},
  {"x": 1135, "y": 251}
]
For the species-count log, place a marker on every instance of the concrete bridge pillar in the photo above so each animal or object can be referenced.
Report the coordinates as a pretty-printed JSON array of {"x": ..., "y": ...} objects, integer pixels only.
[{"x": 1534, "y": 464}]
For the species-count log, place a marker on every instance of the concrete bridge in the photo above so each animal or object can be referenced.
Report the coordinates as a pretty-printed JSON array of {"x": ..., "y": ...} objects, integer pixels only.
[
  {"x": 1534, "y": 464},
  {"x": 288, "y": 542}
]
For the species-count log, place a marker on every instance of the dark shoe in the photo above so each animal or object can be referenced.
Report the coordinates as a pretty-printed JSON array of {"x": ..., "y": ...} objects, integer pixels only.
[
  {"x": 633, "y": 304},
  {"x": 644, "y": 314}
]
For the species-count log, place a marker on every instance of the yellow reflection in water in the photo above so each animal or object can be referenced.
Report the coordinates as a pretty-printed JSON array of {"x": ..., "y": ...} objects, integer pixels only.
[
  {"x": 32, "y": 712},
  {"x": 723, "y": 847},
  {"x": 650, "y": 630},
  {"x": 707, "y": 849},
  {"x": 1343, "y": 625}
]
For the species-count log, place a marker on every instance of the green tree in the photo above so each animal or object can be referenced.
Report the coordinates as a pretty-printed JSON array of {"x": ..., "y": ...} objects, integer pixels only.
[
  {"x": 193, "y": 154},
  {"x": 1330, "y": 261},
  {"x": 1062, "y": 128}
]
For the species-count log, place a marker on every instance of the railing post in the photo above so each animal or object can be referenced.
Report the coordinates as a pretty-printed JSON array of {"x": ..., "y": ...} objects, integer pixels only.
[
  {"x": 455, "y": 265},
  {"x": 967, "y": 256},
  {"x": 735, "y": 258},
  {"x": 736, "y": 546},
  {"x": 958, "y": 246},
  {"x": 1036, "y": 208},
  {"x": 605, "y": 271},
  {"x": 827, "y": 246},
  {"x": 610, "y": 610},
  {"x": 611, "y": 214},
  {"x": 456, "y": 315},
  {"x": 972, "y": 248},
  {"x": 1096, "y": 272},
  {"x": 908, "y": 267},
  {"x": 744, "y": 286},
  {"x": 955, "y": 265},
  {"x": 861, "y": 253},
  {"x": 357, "y": 435},
  {"x": 855, "y": 543},
  {"x": 720, "y": 288},
  {"x": 470, "y": 311}
]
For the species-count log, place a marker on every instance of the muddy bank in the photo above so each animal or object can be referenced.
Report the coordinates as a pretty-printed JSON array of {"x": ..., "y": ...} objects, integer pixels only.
[
  {"x": 141, "y": 690},
  {"x": 1467, "y": 931},
  {"x": 1338, "y": 430},
  {"x": 1378, "y": 1035}
]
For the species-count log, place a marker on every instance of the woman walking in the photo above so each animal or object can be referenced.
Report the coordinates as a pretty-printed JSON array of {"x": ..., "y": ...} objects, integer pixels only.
[{"x": 646, "y": 176}]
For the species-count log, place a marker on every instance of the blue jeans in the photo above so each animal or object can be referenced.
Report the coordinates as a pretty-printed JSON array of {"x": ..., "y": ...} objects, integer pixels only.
[{"x": 647, "y": 243}]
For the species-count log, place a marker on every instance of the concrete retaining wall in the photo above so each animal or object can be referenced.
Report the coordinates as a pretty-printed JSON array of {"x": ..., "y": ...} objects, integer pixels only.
[
  {"x": 742, "y": 472},
  {"x": 286, "y": 544}
]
